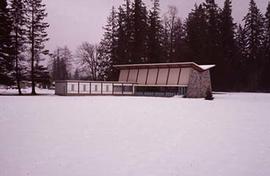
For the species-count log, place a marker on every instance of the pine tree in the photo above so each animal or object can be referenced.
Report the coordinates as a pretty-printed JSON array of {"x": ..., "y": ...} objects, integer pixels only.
[
  {"x": 61, "y": 63},
  {"x": 42, "y": 76},
  {"x": 266, "y": 48},
  {"x": 267, "y": 34},
  {"x": 125, "y": 34},
  {"x": 77, "y": 74},
  {"x": 180, "y": 45},
  {"x": 214, "y": 44},
  {"x": 6, "y": 62},
  {"x": 67, "y": 59},
  {"x": 37, "y": 35},
  {"x": 254, "y": 27},
  {"x": 240, "y": 61},
  {"x": 54, "y": 72},
  {"x": 128, "y": 28},
  {"x": 155, "y": 30},
  {"x": 212, "y": 12},
  {"x": 196, "y": 35},
  {"x": 108, "y": 44},
  {"x": 18, "y": 18},
  {"x": 139, "y": 18},
  {"x": 122, "y": 52},
  {"x": 104, "y": 65},
  {"x": 227, "y": 31},
  {"x": 228, "y": 45}
]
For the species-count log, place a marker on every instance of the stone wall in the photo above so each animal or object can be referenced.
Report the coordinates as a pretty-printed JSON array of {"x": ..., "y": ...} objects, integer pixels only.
[{"x": 199, "y": 83}]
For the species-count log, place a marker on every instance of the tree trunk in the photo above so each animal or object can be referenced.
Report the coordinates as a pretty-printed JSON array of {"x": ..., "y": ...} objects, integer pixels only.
[
  {"x": 33, "y": 56},
  {"x": 18, "y": 76},
  {"x": 18, "y": 79}
]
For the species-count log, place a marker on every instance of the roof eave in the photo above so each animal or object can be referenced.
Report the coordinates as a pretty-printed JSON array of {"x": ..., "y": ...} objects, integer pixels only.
[{"x": 200, "y": 68}]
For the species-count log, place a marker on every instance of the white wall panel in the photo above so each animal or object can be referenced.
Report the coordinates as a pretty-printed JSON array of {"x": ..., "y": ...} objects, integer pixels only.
[
  {"x": 133, "y": 75},
  {"x": 162, "y": 76},
  {"x": 152, "y": 76},
  {"x": 72, "y": 88},
  {"x": 107, "y": 88},
  {"x": 142, "y": 76},
  {"x": 173, "y": 77},
  {"x": 95, "y": 88},
  {"x": 123, "y": 75},
  {"x": 84, "y": 88},
  {"x": 184, "y": 78}
]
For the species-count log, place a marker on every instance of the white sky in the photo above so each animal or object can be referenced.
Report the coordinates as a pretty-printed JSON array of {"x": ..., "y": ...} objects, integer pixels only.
[{"x": 72, "y": 22}]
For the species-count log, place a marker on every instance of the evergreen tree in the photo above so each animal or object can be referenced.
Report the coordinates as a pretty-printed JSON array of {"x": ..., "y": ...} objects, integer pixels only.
[
  {"x": 122, "y": 52},
  {"x": 104, "y": 65},
  {"x": 213, "y": 42},
  {"x": 54, "y": 72},
  {"x": 61, "y": 63},
  {"x": 266, "y": 48},
  {"x": 128, "y": 28},
  {"x": 108, "y": 44},
  {"x": 77, "y": 74},
  {"x": 254, "y": 26},
  {"x": 67, "y": 59},
  {"x": 6, "y": 62},
  {"x": 180, "y": 45},
  {"x": 196, "y": 35},
  {"x": 42, "y": 76},
  {"x": 36, "y": 35},
  {"x": 139, "y": 18},
  {"x": 267, "y": 34},
  {"x": 228, "y": 46},
  {"x": 227, "y": 31},
  {"x": 125, "y": 34},
  {"x": 18, "y": 18},
  {"x": 155, "y": 29},
  {"x": 212, "y": 12},
  {"x": 240, "y": 61}
]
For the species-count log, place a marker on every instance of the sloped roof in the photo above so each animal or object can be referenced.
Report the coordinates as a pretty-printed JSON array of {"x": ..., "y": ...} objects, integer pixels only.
[{"x": 166, "y": 65}]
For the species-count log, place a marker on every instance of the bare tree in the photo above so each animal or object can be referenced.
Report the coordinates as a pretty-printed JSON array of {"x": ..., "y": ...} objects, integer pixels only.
[
  {"x": 170, "y": 24},
  {"x": 173, "y": 35},
  {"x": 89, "y": 60}
]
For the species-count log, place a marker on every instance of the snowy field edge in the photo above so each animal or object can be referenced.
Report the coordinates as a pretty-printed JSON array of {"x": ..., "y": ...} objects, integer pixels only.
[{"x": 146, "y": 136}]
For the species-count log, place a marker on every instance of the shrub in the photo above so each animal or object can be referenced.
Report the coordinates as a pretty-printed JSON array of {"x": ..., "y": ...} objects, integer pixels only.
[{"x": 209, "y": 95}]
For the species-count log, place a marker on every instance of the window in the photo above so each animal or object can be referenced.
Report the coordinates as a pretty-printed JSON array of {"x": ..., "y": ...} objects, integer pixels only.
[
  {"x": 128, "y": 88},
  {"x": 72, "y": 87},
  {"x": 107, "y": 88},
  {"x": 161, "y": 91},
  {"x": 182, "y": 90},
  {"x": 117, "y": 88},
  {"x": 84, "y": 88},
  {"x": 96, "y": 88}
]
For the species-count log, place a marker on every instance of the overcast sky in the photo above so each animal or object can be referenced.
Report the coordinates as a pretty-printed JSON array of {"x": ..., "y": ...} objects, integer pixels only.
[{"x": 75, "y": 21}]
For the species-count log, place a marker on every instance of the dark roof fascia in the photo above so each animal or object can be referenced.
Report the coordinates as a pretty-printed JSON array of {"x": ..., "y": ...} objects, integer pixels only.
[{"x": 161, "y": 65}]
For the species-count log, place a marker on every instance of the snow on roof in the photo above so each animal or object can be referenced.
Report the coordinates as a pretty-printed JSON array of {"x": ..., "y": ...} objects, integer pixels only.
[
  {"x": 177, "y": 64},
  {"x": 207, "y": 67}
]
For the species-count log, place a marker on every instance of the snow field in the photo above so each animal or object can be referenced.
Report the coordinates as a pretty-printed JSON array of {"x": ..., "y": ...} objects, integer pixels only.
[{"x": 135, "y": 136}]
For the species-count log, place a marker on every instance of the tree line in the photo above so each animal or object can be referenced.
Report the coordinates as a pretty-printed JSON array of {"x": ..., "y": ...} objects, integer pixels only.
[
  {"x": 22, "y": 42},
  {"x": 137, "y": 34},
  {"x": 209, "y": 35},
  {"x": 88, "y": 63}
]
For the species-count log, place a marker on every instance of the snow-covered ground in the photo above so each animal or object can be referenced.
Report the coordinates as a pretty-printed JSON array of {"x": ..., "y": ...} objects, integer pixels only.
[
  {"x": 25, "y": 91},
  {"x": 135, "y": 136}
]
